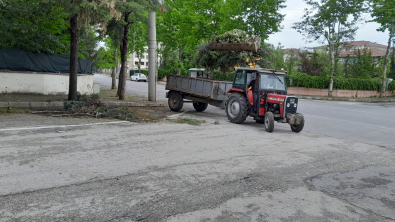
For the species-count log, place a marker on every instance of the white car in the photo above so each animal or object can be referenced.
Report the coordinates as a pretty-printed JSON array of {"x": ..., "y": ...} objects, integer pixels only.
[{"x": 138, "y": 77}]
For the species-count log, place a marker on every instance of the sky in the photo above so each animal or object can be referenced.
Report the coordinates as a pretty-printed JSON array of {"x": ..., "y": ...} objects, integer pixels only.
[{"x": 290, "y": 38}]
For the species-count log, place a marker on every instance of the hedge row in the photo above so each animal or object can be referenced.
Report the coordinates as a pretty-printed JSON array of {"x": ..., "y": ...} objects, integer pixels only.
[
  {"x": 304, "y": 80},
  {"x": 164, "y": 72},
  {"x": 217, "y": 75}
]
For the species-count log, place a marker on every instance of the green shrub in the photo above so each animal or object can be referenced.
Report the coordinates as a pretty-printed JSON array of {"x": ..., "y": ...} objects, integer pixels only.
[
  {"x": 391, "y": 86},
  {"x": 225, "y": 77},
  {"x": 145, "y": 72},
  {"x": 304, "y": 80}
]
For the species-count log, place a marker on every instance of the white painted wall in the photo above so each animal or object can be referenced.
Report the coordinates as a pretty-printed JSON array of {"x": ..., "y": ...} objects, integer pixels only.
[{"x": 43, "y": 83}]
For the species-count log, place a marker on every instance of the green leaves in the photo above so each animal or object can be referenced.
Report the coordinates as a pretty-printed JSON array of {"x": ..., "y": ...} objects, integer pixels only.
[
  {"x": 189, "y": 23},
  {"x": 33, "y": 25},
  {"x": 361, "y": 65},
  {"x": 304, "y": 80}
]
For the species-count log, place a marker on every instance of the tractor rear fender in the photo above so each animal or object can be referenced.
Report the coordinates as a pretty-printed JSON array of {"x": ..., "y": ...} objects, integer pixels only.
[{"x": 233, "y": 90}]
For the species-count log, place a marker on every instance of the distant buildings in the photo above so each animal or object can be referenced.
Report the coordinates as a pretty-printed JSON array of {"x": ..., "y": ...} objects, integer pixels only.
[
  {"x": 133, "y": 60},
  {"x": 378, "y": 51},
  {"x": 349, "y": 48}
]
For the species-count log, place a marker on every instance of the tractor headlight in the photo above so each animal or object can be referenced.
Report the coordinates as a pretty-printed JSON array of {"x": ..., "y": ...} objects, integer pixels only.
[
  {"x": 295, "y": 105},
  {"x": 288, "y": 105}
]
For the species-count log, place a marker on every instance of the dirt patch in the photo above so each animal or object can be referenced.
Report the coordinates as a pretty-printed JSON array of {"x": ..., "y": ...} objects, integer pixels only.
[{"x": 92, "y": 106}]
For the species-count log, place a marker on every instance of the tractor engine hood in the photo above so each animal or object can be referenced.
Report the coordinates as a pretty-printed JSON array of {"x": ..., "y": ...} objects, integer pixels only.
[{"x": 275, "y": 98}]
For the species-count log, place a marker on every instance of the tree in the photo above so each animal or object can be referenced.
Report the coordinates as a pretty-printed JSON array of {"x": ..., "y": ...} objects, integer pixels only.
[
  {"x": 113, "y": 31},
  {"x": 361, "y": 65},
  {"x": 33, "y": 25},
  {"x": 383, "y": 13},
  {"x": 331, "y": 22},
  {"x": 261, "y": 18},
  {"x": 84, "y": 13},
  {"x": 310, "y": 64},
  {"x": 107, "y": 59},
  {"x": 391, "y": 74},
  {"x": 193, "y": 22},
  {"x": 132, "y": 12},
  {"x": 292, "y": 60},
  {"x": 138, "y": 40},
  {"x": 275, "y": 57}
]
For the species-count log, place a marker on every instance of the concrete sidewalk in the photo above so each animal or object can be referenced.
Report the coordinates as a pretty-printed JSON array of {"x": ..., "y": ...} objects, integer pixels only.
[{"x": 63, "y": 105}]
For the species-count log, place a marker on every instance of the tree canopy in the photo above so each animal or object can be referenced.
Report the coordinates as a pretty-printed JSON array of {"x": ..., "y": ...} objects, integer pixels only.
[
  {"x": 383, "y": 12},
  {"x": 34, "y": 25},
  {"x": 331, "y": 22}
]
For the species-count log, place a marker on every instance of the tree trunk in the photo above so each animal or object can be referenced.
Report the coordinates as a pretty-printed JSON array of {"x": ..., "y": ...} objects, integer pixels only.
[
  {"x": 179, "y": 61},
  {"x": 332, "y": 54},
  {"x": 139, "y": 65},
  {"x": 114, "y": 71},
  {"x": 124, "y": 51},
  {"x": 119, "y": 74},
  {"x": 73, "y": 58},
  {"x": 387, "y": 53}
]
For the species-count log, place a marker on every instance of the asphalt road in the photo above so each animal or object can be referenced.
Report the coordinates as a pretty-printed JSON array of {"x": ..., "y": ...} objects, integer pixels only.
[
  {"x": 60, "y": 169},
  {"x": 69, "y": 169},
  {"x": 372, "y": 123}
]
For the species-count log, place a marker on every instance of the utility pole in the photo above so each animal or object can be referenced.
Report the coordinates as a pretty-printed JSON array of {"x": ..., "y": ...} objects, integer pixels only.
[{"x": 152, "y": 56}]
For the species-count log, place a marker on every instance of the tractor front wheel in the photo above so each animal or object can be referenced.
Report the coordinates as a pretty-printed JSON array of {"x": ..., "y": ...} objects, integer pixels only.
[
  {"x": 236, "y": 108},
  {"x": 298, "y": 128},
  {"x": 269, "y": 122}
]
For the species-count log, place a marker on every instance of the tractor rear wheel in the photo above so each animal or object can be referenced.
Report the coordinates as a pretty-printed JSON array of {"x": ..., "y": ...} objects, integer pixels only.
[
  {"x": 269, "y": 122},
  {"x": 236, "y": 108},
  {"x": 200, "y": 107},
  {"x": 175, "y": 101},
  {"x": 298, "y": 128}
]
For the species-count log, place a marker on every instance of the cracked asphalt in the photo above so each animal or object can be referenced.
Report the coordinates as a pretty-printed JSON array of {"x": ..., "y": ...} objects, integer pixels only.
[{"x": 60, "y": 169}]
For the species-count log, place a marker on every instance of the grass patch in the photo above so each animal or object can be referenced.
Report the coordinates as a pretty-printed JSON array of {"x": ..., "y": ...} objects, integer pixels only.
[
  {"x": 193, "y": 122},
  {"x": 5, "y": 111},
  {"x": 145, "y": 117}
]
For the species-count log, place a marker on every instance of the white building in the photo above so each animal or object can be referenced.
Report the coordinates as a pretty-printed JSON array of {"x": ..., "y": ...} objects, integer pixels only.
[{"x": 133, "y": 60}]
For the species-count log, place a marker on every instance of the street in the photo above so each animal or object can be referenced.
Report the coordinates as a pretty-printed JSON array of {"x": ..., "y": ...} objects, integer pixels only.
[
  {"x": 339, "y": 168},
  {"x": 372, "y": 123}
]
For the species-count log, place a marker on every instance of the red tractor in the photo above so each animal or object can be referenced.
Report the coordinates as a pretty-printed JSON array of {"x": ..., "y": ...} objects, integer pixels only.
[{"x": 262, "y": 94}]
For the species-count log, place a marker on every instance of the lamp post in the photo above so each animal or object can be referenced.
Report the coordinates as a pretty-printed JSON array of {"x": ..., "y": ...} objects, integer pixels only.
[{"x": 152, "y": 56}]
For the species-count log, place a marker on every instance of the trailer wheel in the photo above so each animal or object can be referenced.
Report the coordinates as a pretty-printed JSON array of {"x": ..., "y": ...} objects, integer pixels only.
[
  {"x": 298, "y": 128},
  {"x": 175, "y": 101},
  {"x": 236, "y": 108},
  {"x": 269, "y": 122},
  {"x": 200, "y": 107}
]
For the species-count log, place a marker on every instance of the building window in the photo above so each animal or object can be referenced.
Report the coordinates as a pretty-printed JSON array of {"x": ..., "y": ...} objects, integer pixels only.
[
  {"x": 142, "y": 63},
  {"x": 136, "y": 63}
]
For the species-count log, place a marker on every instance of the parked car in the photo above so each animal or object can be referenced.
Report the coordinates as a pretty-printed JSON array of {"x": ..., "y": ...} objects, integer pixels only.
[{"x": 138, "y": 77}]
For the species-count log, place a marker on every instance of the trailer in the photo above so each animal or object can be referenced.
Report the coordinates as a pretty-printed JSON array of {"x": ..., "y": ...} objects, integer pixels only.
[{"x": 196, "y": 90}]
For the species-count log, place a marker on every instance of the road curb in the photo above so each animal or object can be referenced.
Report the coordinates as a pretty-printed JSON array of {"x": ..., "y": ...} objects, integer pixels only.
[
  {"x": 63, "y": 105},
  {"x": 364, "y": 100}
]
